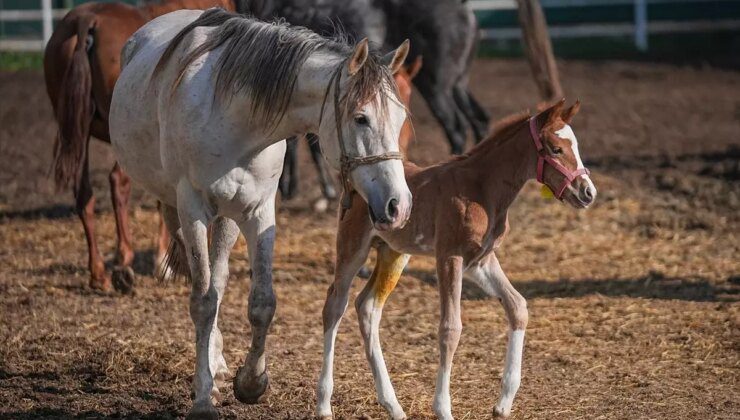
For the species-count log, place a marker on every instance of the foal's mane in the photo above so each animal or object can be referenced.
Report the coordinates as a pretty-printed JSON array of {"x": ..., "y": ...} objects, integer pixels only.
[
  {"x": 501, "y": 131},
  {"x": 264, "y": 59}
]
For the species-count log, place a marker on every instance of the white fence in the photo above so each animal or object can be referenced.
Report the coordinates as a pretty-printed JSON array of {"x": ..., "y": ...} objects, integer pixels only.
[{"x": 638, "y": 29}]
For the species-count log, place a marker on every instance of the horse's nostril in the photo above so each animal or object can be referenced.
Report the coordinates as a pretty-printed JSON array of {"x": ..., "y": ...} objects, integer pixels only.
[
  {"x": 587, "y": 193},
  {"x": 392, "y": 208}
]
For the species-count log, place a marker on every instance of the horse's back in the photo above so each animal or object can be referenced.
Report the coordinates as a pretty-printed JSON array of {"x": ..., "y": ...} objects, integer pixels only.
[{"x": 134, "y": 117}]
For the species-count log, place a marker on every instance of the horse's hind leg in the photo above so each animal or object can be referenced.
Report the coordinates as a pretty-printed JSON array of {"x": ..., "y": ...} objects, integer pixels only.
[
  {"x": 369, "y": 305},
  {"x": 327, "y": 186},
  {"x": 203, "y": 298},
  {"x": 252, "y": 380},
  {"x": 289, "y": 177},
  {"x": 120, "y": 186},
  {"x": 489, "y": 275},
  {"x": 353, "y": 245},
  {"x": 475, "y": 114},
  {"x": 85, "y": 207}
]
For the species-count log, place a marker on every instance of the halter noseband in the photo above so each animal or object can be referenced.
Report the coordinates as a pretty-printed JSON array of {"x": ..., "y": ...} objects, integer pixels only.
[
  {"x": 349, "y": 163},
  {"x": 544, "y": 157}
]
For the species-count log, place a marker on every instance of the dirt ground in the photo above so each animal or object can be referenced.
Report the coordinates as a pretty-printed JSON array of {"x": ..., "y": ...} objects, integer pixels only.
[{"x": 633, "y": 303}]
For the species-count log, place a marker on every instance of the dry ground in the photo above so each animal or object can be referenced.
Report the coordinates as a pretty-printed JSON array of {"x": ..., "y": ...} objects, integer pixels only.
[{"x": 634, "y": 307}]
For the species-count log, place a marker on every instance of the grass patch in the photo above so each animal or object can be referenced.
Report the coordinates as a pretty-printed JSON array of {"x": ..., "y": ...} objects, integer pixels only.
[{"x": 14, "y": 61}]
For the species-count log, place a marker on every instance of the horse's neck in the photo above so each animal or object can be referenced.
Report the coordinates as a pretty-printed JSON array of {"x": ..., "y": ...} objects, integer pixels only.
[
  {"x": 504, "y": 167},
  {"x": 154, "y": 10},
  {"x": 303, "y": 114}
]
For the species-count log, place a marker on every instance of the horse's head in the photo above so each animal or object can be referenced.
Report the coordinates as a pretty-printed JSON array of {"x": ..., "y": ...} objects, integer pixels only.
[
  {"x": 359, "y": 133},
  {"x": 560, "y": 166}
]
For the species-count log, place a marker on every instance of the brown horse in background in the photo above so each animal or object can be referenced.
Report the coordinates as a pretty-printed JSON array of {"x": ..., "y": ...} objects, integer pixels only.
[{"x": 81, "y": 66}]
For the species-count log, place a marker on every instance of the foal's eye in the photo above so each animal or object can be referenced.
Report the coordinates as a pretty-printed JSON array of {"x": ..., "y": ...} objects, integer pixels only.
[
  {"x": 557, "y": 150},
  {"x": 361, "y": 119}
]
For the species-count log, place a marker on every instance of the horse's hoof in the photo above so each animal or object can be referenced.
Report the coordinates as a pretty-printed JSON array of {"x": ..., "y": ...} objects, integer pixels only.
[
  {"x": 250, "y": 389},
  {"x": 202, "y": 412},
  {"x": 123, "y": 280},
  {"x": 321, "y": 205},
  {"x": 500, "y": 412},
  {"x": 102, "y": 283}
]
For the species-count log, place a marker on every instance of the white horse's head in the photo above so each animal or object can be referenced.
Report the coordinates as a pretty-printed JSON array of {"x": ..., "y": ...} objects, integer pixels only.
[{"x": 360, "y": 129}]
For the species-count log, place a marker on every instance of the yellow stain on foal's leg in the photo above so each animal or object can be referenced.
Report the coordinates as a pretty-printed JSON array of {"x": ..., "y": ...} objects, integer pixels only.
[{"x": 388, "y": 270}]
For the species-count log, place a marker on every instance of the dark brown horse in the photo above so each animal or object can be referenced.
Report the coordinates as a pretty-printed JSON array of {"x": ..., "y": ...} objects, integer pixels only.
[{"x": 81, "y": 66}]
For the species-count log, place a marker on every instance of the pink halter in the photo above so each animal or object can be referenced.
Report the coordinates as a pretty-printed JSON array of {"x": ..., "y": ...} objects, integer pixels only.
[{"x": 543, "y": 156}]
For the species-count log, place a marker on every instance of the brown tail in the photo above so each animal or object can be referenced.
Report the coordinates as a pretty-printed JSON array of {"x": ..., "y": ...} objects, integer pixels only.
[{"x": 75, "y": 110}]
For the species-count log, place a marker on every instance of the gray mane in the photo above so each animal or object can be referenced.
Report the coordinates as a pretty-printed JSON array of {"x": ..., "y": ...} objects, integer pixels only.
[{"x": 264, "y": 59}]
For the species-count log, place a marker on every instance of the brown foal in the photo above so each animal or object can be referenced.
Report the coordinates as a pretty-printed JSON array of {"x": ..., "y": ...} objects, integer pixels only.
[
  {"x": 81, "y": 66},
  {"x": 459, "y": 216}
]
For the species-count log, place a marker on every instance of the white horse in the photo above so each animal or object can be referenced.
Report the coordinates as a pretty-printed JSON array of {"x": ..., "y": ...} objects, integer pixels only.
[{"x": 197, "y": 118}]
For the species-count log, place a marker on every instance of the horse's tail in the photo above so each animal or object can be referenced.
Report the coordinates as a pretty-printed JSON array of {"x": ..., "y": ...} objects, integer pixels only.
[{"x": 75, "y": 109}]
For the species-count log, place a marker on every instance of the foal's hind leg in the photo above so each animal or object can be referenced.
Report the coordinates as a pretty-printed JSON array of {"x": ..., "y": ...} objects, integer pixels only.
[
  {"x": 85, "y": 206},
  {"x": 491, "y": 278},
  {"x": 252, "y": 381},
  {"x": 369, "y": 305},
  {"x": 353, "y": 245}
]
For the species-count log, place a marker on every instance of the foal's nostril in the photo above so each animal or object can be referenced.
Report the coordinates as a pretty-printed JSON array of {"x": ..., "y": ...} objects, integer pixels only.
[
  {"x": 588, "y": 194},
  {"x": 392, "y": 208}
]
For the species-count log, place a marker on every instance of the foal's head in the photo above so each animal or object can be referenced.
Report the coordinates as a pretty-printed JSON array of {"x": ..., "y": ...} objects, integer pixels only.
[
  {"x": 360, "y": 128},
  {"x": 561, "y": 148}
]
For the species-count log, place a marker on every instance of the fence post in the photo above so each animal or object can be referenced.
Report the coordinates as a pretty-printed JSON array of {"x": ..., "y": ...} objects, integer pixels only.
[
  {"x": 47, "y": 19},
  {"x": 641, "y": 34}
]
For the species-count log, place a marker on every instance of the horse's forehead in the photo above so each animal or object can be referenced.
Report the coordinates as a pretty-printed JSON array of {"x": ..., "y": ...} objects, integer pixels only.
[{"x": 566, "y": 133}]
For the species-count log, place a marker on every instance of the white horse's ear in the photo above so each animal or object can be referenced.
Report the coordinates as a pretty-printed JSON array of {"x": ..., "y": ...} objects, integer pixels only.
[
  {"x": 395, "y": 59},
  {"x": 359, "y": 56}
]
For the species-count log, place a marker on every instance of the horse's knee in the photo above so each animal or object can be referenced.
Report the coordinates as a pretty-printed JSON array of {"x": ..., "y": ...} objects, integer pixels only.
[{"x": 203, "y": 307}]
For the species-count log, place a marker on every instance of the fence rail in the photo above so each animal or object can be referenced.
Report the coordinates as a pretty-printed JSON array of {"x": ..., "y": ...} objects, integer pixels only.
[{"x": 639, "y": 28}]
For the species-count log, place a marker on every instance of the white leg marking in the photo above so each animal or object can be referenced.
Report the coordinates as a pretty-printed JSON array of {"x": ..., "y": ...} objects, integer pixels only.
[{"x": 512, "y": 372}]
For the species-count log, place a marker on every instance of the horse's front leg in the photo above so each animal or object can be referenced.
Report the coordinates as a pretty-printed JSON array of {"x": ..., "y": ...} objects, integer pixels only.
[
  {"x": 369, "y": 305},
  {"x": 251, "y": 381},
  {"x": 224, "y": 234},
  {"x": 489, "y": 275},
  {"x": 204, "y": 298},
  {"x": 449, "y": 272}
]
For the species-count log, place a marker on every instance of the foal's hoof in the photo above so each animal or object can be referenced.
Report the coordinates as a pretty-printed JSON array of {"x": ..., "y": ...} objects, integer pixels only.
[
  {"x": 501, "y": 413},
  {"x": 250, "y": 389},
  {"x": 202, "y": 412},
  {"x": 123, "y": 280}
]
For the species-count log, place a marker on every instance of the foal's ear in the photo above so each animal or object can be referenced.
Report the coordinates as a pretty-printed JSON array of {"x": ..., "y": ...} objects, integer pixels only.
[
  {"x": 413, "y": 69},
  {"x": 555, "y": 110},
  {"x": 571, "y": 112},
  {"x": 394, "y": 59},
  {"x": 359, "y": 56}
]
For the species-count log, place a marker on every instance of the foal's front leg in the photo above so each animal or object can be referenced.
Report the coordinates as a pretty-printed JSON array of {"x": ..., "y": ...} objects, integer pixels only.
[
  {"x": 369, "y": 305},
  {"x": 251, "y": 381},
  {"x": 489, "y": 276},
  {"x": 203, "y": 297},
  {"x": 353, "y": 245},
  {"x": 449, "y": 272}
]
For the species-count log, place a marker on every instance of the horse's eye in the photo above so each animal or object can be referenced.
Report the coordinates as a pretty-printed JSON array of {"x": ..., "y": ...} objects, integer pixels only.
[
  {"x": 361, "y": 119},
  {"x": 557, "y": 150}
]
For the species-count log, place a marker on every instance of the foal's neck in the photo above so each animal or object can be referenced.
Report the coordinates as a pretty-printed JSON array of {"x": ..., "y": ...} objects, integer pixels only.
[{"x": 503, "y": 167}]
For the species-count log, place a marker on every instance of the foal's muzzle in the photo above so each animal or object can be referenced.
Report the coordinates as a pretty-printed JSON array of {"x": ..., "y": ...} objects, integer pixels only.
[{"x": 582, "y": 192}]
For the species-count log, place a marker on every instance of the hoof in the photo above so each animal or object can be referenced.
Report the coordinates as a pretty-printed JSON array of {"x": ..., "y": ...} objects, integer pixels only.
[
  {"x": 101, "y": 283},
  {"x": 251, "y": 390},
  {"x": 202, "y": 413},
  {"x": 500, "y": 413},
  {"x": 321, "y": 205},
  {"x": 123, "y": 280}
]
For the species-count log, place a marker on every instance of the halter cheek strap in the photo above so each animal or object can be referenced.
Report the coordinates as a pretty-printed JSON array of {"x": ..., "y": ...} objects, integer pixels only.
[
  {"x": 349, "y": 163},
  {"x": 544, "y": 157}
]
